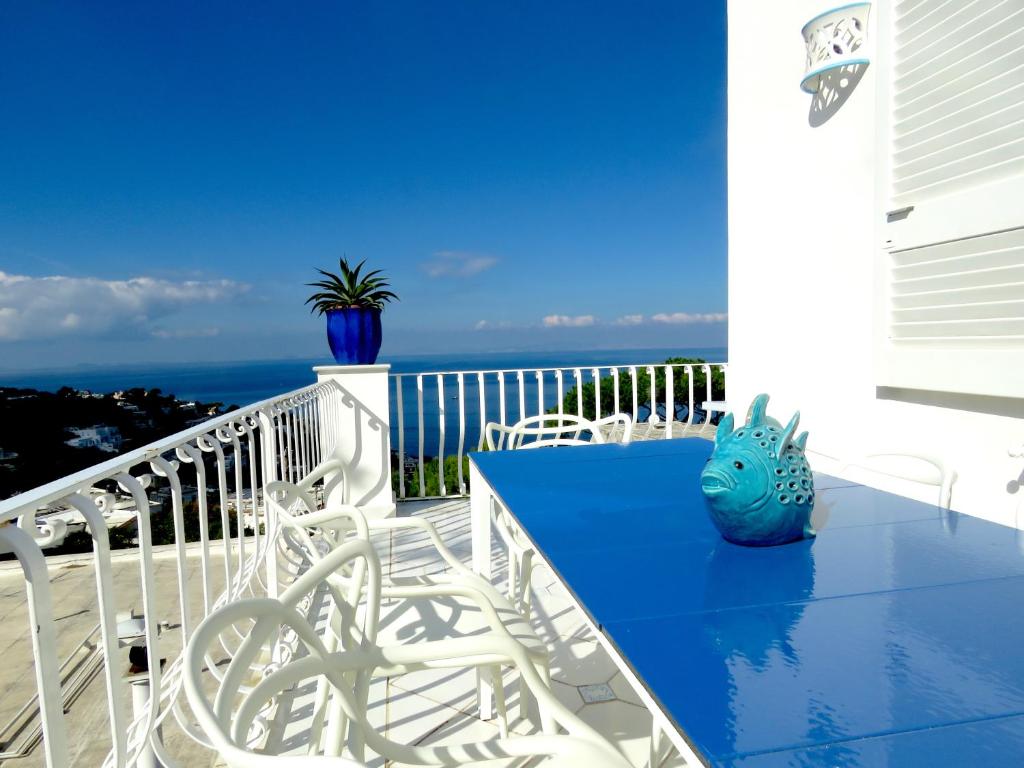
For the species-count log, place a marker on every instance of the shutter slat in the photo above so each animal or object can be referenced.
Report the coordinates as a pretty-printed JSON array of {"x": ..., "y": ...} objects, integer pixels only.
[
  {"x": 988, "y": 151},
  {"x": 910, "y": 15},
  {"x": 963, "y": 295},
  {"x": 993, "y": 328},
  {"x": 972, "y": 288},
  {"x": 943, "y": 133},
  {"x": 957, "y": 28},
  {"x": 988, "y": 310},
  {"x": 985, "y": 260},
  {"x": 947, "y": 76}
]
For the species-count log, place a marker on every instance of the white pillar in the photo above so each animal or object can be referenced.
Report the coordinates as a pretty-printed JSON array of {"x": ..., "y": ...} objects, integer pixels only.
[{"x": 364, "y": 431}]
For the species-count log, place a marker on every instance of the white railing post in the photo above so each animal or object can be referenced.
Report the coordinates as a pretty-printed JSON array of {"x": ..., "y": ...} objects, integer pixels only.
[
  {"x": 440, "y": 434},
  {"x": 462, "y": 429},
  {"x": 400, "y": 414},
  {"x": 482, "y": 396},
  {"x": 670, "y": 405},
  {"x": 43, "y": 632}
]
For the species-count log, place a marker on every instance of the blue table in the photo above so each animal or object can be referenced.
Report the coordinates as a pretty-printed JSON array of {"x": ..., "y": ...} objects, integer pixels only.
[{"x": 896, "y": 637}]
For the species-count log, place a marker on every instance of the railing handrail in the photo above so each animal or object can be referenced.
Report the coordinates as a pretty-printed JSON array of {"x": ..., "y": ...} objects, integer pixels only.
[
  {"x": 85, "y": 478},
  {"x": 545, "y": 369}
]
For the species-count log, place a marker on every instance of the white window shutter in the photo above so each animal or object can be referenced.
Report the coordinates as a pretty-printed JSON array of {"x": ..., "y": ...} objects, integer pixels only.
[{"x": 954, "y": 269}]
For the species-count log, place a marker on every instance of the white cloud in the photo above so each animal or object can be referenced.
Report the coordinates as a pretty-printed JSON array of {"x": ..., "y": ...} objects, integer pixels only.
[
  {"x": 458, "y": 264},
  {"x": 481, "y": 325},
  {"x": 48, "y": 307},
  {"x": 185, "y": 333},
  {"x": 685, "y": 318},
  {"x": 564, "y": 321},
  {"x": 630, "y": 320}
]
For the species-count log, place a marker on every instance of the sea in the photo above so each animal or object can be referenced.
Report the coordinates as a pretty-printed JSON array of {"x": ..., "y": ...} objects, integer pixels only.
[{"x": 243, "y": 383}]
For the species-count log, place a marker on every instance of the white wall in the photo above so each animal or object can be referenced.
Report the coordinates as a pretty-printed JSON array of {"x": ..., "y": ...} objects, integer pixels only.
[{"x": 802, "y": 252}]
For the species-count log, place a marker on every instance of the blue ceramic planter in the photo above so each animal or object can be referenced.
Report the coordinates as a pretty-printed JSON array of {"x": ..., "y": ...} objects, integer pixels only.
[{"x": 354, "y": 335}]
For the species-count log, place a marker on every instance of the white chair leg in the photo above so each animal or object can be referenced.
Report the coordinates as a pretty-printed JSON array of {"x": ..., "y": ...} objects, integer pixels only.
[{"x": 499, "y": 700}]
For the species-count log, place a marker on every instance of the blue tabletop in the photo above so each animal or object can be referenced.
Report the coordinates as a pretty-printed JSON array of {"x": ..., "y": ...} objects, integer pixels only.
[{"x": 892, "y": 638}]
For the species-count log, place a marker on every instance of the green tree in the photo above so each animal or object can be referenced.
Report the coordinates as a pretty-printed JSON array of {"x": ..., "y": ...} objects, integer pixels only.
[{"x": 680, "y": 388}]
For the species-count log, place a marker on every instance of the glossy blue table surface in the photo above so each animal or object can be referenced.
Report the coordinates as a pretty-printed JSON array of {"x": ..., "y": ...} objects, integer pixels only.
[{"x": 893, "y": 638}]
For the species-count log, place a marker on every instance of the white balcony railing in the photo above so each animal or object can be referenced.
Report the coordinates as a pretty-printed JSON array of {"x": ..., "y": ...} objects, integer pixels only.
[
  {"x": 442, "y": 414},
  {"x": 225, "y": 463}
]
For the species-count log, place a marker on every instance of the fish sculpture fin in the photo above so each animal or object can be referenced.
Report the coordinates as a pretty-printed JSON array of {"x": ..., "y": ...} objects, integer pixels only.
[
  {"x": 756, "y": 416},
  {"x": 788, "y": 432},
  {"x": 802, "y": 441},
  {"x": 809, "y": 532},
  {"x": 725, "y": 427}
]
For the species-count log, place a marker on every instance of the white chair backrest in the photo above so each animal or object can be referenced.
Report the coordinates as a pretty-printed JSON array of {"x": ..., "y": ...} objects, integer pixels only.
[
  {"x": 875, "y": 468},
  {"x": 233, "y": 719},
  {"x": 546, "y": 430}
]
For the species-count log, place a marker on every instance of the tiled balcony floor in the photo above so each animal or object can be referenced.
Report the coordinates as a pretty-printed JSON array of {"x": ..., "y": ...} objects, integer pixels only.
[{"x": 432, "y": 707}]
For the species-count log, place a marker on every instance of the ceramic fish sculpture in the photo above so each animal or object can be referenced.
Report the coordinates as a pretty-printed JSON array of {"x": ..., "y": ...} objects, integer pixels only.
[{"x": 757, "y": 483}]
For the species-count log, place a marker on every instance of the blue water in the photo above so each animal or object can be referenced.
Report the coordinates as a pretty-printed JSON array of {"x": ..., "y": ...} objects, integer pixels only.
[{"x": 242, "y": 383}]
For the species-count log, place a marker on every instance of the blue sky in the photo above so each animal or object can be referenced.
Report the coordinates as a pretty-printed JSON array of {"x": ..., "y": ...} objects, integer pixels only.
[{"x": 532, "y": 175}]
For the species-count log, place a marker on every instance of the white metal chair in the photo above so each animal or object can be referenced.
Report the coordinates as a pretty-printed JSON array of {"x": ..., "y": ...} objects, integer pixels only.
[
  {"x": 912, "y": 467},
  {"x": 553, "y": 430},
  {"x": 543, "y": 431},
  {"x": 460, "y": 585},
  {"x": 342, "y": 663}
]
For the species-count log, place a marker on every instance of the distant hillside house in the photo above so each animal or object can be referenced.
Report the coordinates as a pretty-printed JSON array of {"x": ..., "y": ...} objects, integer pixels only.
[{"x": 98, "y": 436}]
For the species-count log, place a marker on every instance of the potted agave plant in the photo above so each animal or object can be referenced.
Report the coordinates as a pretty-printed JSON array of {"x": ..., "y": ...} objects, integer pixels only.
[{"x": 353, "y": 303}]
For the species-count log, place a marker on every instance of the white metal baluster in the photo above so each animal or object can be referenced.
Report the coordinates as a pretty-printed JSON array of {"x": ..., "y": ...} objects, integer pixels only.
[
  {"x": 462, "y": 429},
  {"x": 314, "y": 428},
  {"x": 708, "y": 396},
  {"x": 501, "y": 398},
  {"x": 401, "y": 436},
  {"x": 108, "y": 621},
  {"x": 302, "y": 416},
  {"x": 42, "y": 630},
  {"x": 227, "y": 435},
  {"x": 318, "y": 438},
  {"x": 632, "y": 379},
  {"x": 419, "y": 417},
  {"x": 253, "y": 483},
  {"x": 440, "y": 439},
  {"x": 290, "y": 438},
  {"x": 307, "y": 441},
  {"x": 615, "y": 390},
  {"x": 596, "y": 373},
  {"x": 480, "y": 384},
  {"x": 522, "y": 394},
  {"x": 212, "y": 445},
  {"x": 559, "y": 390},
  {"x": 194, "y": 455},
  {"x": 689, "y": 380},
  {"x": 540, "y": 392},
  {"x": 579, "y": 391},
  {"x": 307, "y": 427},
  {"x": 670, "y": 405},
  {"x": 134, "y": 486},
  {"x": 167, "y": 470},
  {"x": 654, "y": 395},
  {"x": 266, "y": 425},
  {"x": 282, "y": 447}
]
